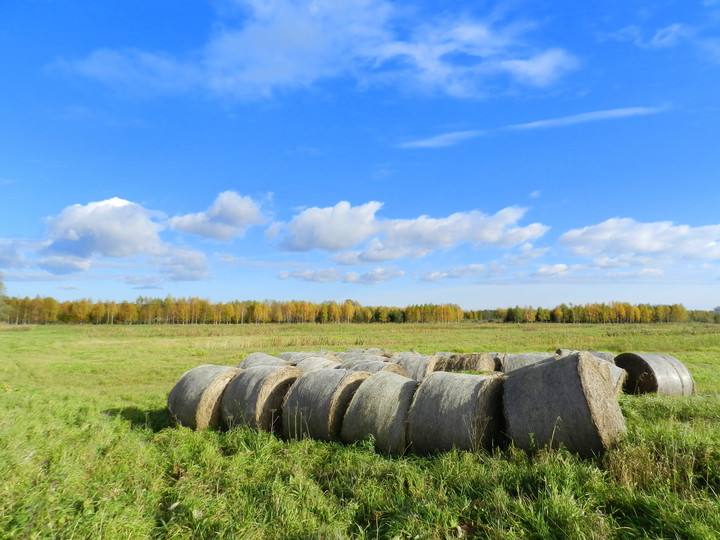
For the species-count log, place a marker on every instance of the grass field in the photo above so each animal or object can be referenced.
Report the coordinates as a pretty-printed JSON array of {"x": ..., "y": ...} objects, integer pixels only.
[{"x": 87, "y": 450}]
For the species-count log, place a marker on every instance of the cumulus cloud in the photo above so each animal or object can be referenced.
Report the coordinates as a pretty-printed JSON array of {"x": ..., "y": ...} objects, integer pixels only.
[
  {"x": 227, "y": 218},
  {"x": 457, "y": 272},
  {"x": 326, "y": 275},
  {"x": 292, "y": 44},
  {"x": 552, "y": 270},
  {"x": 332, "y": 228},
  {"x": 111, "y": 228},
  {"x": 343, "y": 226},
  {"x": 625, "y": 241}
]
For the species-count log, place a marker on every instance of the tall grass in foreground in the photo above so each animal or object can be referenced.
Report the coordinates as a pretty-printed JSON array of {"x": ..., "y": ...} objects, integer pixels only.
[{"x": 86, "y": 449}]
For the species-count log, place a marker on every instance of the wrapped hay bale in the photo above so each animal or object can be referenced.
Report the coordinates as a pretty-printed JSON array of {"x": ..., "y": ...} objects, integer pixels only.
[
  {"x": 349, "y": 362},
  {"x": 567, "y": 402},
  {"x": 194, "y": 401},
  {"x": 297, "y": 356},
  {"x": 380, "y": 408},
  {"x": 498, "y": 358},
  {"x": 610, "y": 357},
  {"x": 316, "y": 403},
  {"x": 511, "y": 362},
  {"x": 317, "y": 362},
  {"x": 416, "y": 365},
  {"x": 373, "y": 366},
  {"x": 465, "y": 362},
  {"x": 617, "y": 375},
  {"x": 255, "y": 397},
  {"x": 353, "y": 353},
  {"x": 655, "y": 373},
  {"x": 456, "y": 410},
  {"x": 261, "y": 359}
]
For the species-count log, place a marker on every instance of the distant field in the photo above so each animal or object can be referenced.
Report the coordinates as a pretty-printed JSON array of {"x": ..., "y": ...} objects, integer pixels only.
[{"x": 86, "y": 449}]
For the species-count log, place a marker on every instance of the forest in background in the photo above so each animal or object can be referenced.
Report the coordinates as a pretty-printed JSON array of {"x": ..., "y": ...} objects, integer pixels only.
[{"x": 144, "y": 310}]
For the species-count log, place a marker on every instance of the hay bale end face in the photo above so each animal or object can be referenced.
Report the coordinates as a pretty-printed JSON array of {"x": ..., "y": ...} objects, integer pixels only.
[
  {"x": 416, "y": 365},
  {"x": 456, "y": 410},
  {"x": 465, "y": 362},
  {"x": 655, "y": 373},
  {"x": 380, "y": 408},
  {"x": 255, "y": 397},
  {"x": 617, "y": 374},
  {"x": 316, "y": 404},
  {"x": 194, "y": 401},
  {"x": 511, "y": 362},
  {"x": 567, "y": 402}
]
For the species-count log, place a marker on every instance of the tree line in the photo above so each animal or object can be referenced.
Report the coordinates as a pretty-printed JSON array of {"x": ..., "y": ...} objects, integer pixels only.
[{"x": 144, "y": 310}]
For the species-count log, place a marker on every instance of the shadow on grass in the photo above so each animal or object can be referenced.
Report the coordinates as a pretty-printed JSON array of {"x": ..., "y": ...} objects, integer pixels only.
[{"x": 155, "y": 419}]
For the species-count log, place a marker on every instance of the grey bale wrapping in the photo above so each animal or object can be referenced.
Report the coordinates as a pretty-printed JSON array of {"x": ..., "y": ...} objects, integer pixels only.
[
  {"x": 566, "y": 402},
  {"x": 456, "y": 410},
  {"x": 194, "y": 401},
  {"x": 373, "y": 366},
  {"x": 364, "y": 352},
  {"x": 465, "y": 362},
  {"x": 261, "y": 359},
  {"x": 416, "y": 365},
  {"x": 350, "y": 362},
  {"x": 316, "y": 362},
  {"x": 655, "y": 373},
  {"x": 297, "y": 356},
  {"x": 255, "y": 397},
  {"x": 511, "y": 362},
  {"x": 316, "y": 403},
  {"x": 380, "y": 408}
]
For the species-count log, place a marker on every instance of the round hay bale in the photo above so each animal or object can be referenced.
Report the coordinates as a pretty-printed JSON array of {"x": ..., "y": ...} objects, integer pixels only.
[
  {"x": 349, "y": 362},
  {"x": 498, "y": 358},
  {"x": 456, "y": 410},
  {"x": 655, "y": 373},
  {"x": 194, "y": 401},
  {"x": 255, "y": 397},
  {"x": 374, "y": 366},
  {"x": 617, "y": 375},
  {"x": 374, "y": 351},
  {"x": 380, "y": 408},
  {"x": 316, "y": 362},
  {"x": 566, "y": 402},
  {"x": 416, "y": 365},
  {"x": 296, "y": 356},
  {"x": 610, "y": 357},
  {"x": 511, "y": 362},
  {"x": 261, "y": 359},
  {"x": 316, "y": 403},
  {"x": 465, "y": 362}
]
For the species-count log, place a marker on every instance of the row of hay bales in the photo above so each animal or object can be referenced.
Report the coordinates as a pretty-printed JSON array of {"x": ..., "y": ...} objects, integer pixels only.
[{"x": 409, "y": 402}]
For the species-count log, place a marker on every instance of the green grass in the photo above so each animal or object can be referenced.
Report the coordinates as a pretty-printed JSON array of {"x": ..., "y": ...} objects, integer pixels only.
[{"x": 87, "y": 451}]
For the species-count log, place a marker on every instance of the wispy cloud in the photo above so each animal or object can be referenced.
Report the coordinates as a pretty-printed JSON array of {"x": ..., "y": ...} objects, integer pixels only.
[
  {"x": 328, "y": 275},
  {"x": 288, "y": 45},
  {"x": 455, "y": 137}
]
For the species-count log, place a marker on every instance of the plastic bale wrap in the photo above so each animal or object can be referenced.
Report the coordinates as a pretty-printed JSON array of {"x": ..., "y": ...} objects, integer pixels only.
[
  {"x": 655, "y": 373},
  {"x": 297, "y": 356},
  {"x": 255, "y": 397},
  {"x": 568, "y": 402},
  {"x": 380, "y": 408},
  {"x": 261, "y": 359},
  {"x": 373, "y": 366},
  {"x": 349, "y": 362},
  {"x": 511, "y": 362},
  {"x": 317, "y": 362},
  {"x": 416, "y": 365},
  {"x": 194, "y": 401},
  {"x": 617, "y": 374},
  {"x": 316, "y": 404}
]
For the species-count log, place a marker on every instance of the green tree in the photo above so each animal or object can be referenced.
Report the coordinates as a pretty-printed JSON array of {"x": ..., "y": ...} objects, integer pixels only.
[{"x": 4, "y": 307}]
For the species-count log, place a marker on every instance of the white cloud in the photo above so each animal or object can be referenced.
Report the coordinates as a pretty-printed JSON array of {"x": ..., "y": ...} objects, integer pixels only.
[
  {"x": 327, "y": 275},
  {"x": 444, "y": 139},
  {"x": 342, "y": 226},
  {"x": 110, "y": 228},
  {"x": 457, "y": 272},
  {"x": 292, "y": 44},
  {"x": 332, "y": 228},
  {"x": 227, "y": 218},
  {"x": 626, "y": 241},
  {"x": 64, "y": 265},
  {"x": 184, "y": 265},
  {"x": 552, "y": 270}
]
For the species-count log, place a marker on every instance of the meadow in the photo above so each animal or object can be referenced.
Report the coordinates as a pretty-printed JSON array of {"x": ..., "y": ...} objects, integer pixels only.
[{"x": 87, "y": 449}]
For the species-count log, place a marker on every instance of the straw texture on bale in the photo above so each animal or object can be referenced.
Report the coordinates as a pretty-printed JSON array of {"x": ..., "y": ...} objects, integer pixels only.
[
  {"x": 465, "y": 362},
  {"x": 456, "y": 410},
  {"x": 373, "y": 366},
  {"x": 567, "y": 402},
  {"x": 316, "y": 403},
  {"x": 255, "y": 397},
  {"x": 416, "y": 365},
  {"x": 364, "y": 352},
  {"x": 617, "y": 375},
  {"x": 316, "y": 362},
  {"x": 350, "y": 362},
  {"x": 655, "y": 373},
  {"x": 380, "y": 408},
  {"x": 608, "y": 356},
  {"x": 297, "y": 356},
  {"x": 261, "y": 359},
  {"x": 194, "y": 401},
  {"x": 511, "y": 362},
  {"x": 498, "y": 358}
]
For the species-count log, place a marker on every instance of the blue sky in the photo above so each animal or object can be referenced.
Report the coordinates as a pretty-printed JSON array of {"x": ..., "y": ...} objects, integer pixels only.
[{"x": 482, "y": 153}]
